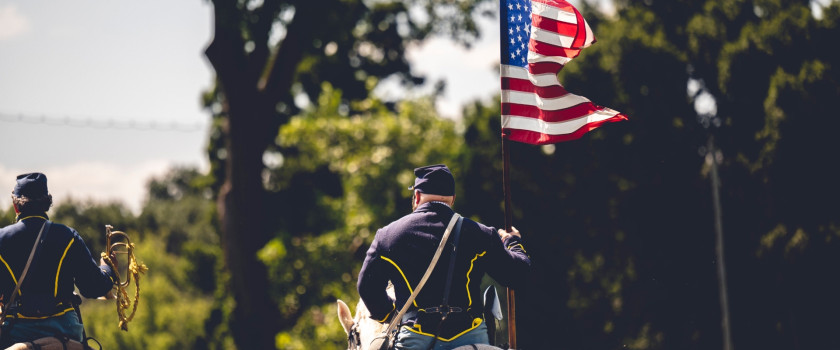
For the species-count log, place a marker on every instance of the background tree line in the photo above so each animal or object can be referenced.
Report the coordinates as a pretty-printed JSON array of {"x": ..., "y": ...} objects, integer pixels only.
[{"x": 619, "y": 224}]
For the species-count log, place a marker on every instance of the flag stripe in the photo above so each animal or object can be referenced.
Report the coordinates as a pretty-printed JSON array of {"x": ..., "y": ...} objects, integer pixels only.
[
  {"x": 555, "y": 128},
  {"x": 551, "y": 38},
  {"x": 551, "y": 116},
  {"x": 546, "y": 104},
  {"x": 550, "y": 25},
  {"x": 537, "y": 138},
  {"x": 554, "y": 11},
  {"x": 550, "y": 91},
  {"x": 546, "y": 79},
  {"x": 544, "y": 63},
  {"x": 546, "y": 49}
]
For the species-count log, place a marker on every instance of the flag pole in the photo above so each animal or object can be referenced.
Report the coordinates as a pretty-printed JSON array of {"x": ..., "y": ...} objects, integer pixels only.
[{"x": 511, "y": 299}]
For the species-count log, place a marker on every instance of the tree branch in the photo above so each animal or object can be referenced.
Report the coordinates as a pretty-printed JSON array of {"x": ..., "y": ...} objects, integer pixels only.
[
  {"x": 260, "y": 32},
  {"x": 290, "y": 51}
]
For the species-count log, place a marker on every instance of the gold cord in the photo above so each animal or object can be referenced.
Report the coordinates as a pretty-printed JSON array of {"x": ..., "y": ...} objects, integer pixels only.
[{"x": 134, "y": 269}]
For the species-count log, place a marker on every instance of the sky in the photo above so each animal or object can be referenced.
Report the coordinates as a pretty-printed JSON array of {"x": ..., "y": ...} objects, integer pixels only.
[{"x": 102, "y": 95}]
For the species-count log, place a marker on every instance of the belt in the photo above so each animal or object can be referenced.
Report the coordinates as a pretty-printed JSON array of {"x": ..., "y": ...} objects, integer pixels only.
[
  {"x": 41, "y": 307},
  {"x": 430, "y": 320},
  {"x": 411, "y": 316}
]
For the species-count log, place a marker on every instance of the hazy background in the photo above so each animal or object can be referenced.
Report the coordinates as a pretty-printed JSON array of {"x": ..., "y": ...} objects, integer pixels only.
[{"x": 102, "y": 95}]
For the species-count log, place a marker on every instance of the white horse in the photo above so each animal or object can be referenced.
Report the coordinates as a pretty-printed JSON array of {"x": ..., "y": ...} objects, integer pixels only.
[{"x": 361, "y": 329}]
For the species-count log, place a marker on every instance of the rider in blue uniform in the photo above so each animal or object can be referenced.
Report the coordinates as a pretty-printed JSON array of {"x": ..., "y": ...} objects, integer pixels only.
[
  {"x": 401, "y": 253},
  {"x": 45, "y": 304}
]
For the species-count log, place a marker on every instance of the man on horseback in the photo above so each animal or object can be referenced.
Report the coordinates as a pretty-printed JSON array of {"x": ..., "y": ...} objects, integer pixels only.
[
  {"x": 40, "y": 302},
  {"x": 402, "y": 250}
]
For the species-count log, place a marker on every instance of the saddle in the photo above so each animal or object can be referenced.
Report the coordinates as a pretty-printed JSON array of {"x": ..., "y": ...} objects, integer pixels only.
[{"x": 50, "y": 343}]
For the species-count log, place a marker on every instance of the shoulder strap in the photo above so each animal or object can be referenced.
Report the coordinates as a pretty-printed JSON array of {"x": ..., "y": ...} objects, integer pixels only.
[
  {"x": 398, "y": 317},
  {"x": 38, "y": 241},
  {"x": 448, "y": 284}
]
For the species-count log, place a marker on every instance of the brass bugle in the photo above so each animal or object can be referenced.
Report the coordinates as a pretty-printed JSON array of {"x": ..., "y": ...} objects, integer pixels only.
[{"x": 122, "y": 247}]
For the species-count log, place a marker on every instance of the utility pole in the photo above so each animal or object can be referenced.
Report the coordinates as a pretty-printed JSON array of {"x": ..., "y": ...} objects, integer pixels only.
[{"x": 712, "y": 154}]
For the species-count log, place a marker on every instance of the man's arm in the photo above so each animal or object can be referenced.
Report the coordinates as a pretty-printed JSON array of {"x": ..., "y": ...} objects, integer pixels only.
[
  {"x": 509, "y": 262},
  {"x": 93, "y": 280},
  {"x": 373, "y": 280}
]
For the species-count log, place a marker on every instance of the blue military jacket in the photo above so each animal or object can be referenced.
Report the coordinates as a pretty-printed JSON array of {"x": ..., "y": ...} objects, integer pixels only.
[
  {"x": 63, "y": 260},
  {"x": 401, "y": 252}
]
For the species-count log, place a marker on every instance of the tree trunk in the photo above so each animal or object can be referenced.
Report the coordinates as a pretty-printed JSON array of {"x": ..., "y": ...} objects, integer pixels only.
[
  {"x": 251, "y": 93},
  {"x": 242, "y": 212}
]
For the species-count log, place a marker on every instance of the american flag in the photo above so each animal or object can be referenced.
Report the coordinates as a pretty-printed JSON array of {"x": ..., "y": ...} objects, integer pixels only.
[{"x": 538, "y": 38}]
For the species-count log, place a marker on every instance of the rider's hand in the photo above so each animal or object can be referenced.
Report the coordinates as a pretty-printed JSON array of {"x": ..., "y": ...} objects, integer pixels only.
[
  {"x": 113, "y": 257},
  {"x": 513, "y": 232}
]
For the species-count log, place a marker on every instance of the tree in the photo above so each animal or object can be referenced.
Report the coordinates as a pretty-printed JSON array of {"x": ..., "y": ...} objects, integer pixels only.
[{"x": 266, "y": 54}]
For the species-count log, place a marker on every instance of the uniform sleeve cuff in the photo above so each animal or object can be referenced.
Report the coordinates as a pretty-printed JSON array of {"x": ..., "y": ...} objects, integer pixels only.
[
  {"x": 388, "y": 315},
  {"x": 514, "y": 242},
  {"x": 109, "y": 271}
]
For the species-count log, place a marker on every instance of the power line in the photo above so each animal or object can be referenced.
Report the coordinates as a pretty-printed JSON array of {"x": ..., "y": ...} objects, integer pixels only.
[{"x": 111, "y": 123}]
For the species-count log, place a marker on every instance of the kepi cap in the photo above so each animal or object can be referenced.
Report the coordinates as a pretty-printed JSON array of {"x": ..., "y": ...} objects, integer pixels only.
[
  {"x": 32, "y": 185},
  {"x": 434, "y": 179}
]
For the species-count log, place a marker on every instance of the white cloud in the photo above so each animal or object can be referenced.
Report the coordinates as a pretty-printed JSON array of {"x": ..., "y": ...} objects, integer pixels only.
[
  {"x": 96, "y": 181},
  {"x": 469, "y": 73},
  {"x": 12, "y": 22}
]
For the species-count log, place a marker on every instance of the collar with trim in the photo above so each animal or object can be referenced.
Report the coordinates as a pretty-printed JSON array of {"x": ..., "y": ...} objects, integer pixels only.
[
  {"x": 24, "y": 216},
  {"x": 433, "y": 206}
]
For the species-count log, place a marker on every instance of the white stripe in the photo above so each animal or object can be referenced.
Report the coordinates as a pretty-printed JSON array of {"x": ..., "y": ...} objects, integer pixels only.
[
  {"x": 534, "y": 57},
  {"x": 552, "y": 12},
  {"x": 551, "y": 38},
  {"x": 555, "y": 128},
  {"x": 590, "y": 36},
  {"x": 546, "y": 104},
  {"x": 516, "y": 72}
]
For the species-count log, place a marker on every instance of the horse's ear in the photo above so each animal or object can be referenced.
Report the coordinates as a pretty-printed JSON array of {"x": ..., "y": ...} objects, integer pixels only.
[{"x": 344, "y": 316}]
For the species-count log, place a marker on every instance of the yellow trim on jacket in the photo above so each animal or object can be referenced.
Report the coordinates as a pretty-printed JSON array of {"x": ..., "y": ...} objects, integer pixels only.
[
  {"x": 393, "y": 307},
  {"x": 469, "y": 297},
  {"x": 60, "y": 262},
  {"x": 10, "y": 271},
  {"x": 32, "y": 216},
  {"x": 476, "y": 322},
  {"x": 62, "y": 312},
  {"x": 403, "y": 276}
]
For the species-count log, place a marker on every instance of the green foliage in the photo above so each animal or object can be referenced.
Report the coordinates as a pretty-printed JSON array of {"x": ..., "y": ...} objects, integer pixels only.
[
  {"x": 172, "y": 310},
  {"x": 183, "y": 301},
  {"x": 89, "y": 219}
]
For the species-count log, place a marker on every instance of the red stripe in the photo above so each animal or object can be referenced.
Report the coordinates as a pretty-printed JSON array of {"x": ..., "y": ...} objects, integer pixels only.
[
  {"x": 545, "y": 67},
  {"x": 526, "y": 86},
  {"x": 580, "y": 36},
  {"x": 555, "y": 26},
  {"x": 551, "y": 50},
  {"x": 536, "y": 138},
  {"x": 559, "y": 115}
]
